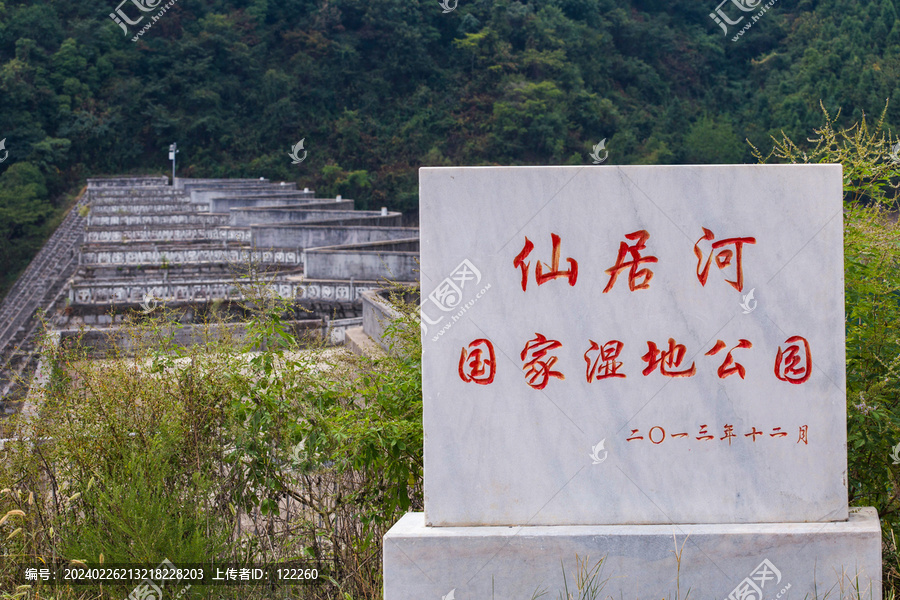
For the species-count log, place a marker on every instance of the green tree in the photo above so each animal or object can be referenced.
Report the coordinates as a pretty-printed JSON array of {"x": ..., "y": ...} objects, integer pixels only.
[
  {"x": 712, "y": 141},
  {"x": 24, "y": 210}
]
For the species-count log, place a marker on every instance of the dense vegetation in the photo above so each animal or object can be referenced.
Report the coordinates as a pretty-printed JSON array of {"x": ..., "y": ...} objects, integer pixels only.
[
  {"x": 242, "y": 450},
  {"x": 378, "y": 89}
]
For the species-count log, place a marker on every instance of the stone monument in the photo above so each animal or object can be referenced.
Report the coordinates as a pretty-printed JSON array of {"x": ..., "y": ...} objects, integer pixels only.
[{"x": 640, "y": 368}]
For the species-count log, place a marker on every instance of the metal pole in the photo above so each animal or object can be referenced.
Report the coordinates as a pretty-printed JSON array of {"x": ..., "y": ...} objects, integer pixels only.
[{"x": 173, "y": 150}]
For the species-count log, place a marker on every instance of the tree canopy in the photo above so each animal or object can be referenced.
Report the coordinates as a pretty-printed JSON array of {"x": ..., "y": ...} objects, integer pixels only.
[{"x": 378, "y": 89}]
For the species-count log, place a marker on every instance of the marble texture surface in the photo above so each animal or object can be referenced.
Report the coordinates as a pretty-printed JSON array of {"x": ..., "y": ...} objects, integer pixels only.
[
  {"x": 805, "y": 560},
  {"x": 756, "y": 448}
]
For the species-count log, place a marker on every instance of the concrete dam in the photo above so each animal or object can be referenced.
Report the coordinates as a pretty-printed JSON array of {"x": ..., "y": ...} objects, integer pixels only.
[{"x": 130, "y": 242}]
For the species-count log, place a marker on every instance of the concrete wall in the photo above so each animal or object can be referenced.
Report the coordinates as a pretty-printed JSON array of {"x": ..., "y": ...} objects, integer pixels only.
[
  {"x": 182, "y": 182},
  {"x": 165, "y": 234},
  {"x": 298, "y": 214},
  {"x": 127, "y": 181},
  {"x": 276, "y": 216},
  {"x": 136, "y": 195},
  {"x": 316, "y": 236},
  {"x": 389, "y": 220},
  {"x": 134, "y": 292},
  {"x": 336, "y": 329},
  {"x": 240, "y": 186},
  {"x": 225, "y": 204},
  {"x": 145, "y": 207},
  {"x": 189, "y": 188},
  {"x": 198, "y": 271},
  {"x": 205, "y": 194},
  {"x": 99, "y": 194},
  {"x": 87, "y": 292},
  {"x": 142, "y": 198},
  {"x": 407, "y": 245},
  {"x": 320, "y": 263},
  {"x": 177, "y": 256},
  {"x": 158, "y": 220},
  {"x": 377, "y": 315}
]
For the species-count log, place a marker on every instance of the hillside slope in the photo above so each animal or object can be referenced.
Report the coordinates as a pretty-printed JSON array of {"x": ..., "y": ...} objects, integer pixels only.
[{"x": 377, "y": 89}]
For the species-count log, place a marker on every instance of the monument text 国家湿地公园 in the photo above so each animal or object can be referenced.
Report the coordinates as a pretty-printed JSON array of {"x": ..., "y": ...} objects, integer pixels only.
[{"x": 619, "y": 362}]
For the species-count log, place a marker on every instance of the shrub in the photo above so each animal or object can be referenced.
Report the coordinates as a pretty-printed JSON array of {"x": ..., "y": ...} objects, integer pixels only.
[
  {"x": 255, "y": 444},
  {"x": 872, "y": 295}
]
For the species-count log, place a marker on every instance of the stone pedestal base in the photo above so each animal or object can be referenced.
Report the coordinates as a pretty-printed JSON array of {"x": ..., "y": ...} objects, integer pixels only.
[{"x": 771, "y": 561}]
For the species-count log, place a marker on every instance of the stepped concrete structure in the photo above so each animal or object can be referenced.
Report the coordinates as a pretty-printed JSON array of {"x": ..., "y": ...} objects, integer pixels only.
[
  {"x": 134, "y": 242},
  {"x": 41, "y": 287}
]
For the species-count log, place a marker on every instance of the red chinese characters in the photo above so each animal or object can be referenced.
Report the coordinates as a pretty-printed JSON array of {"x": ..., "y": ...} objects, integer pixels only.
[
  {"x": 538, "y": 366},
  {"x": 634, "y": 436},
  {"x": 657, "y": 435},
  {"x": 729, "y": 367},
  {"x": 729, "y": 433},
  {"x": 667, "y": 360},
  {"x": 601, "y": 360},
  {"x": 753, "y": 433},
  {"x": 790, "y": 366},
  {"x": 553, "y": 272},
  {"x": 660, "y": 436},
  {"x": 477, "y": 363},
  {"x": 635, "y": 272},
  {"x": 723, "y": 257}
]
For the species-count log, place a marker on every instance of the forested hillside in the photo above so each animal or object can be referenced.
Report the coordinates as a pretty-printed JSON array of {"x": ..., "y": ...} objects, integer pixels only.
[{"x": 379, "y": 88}]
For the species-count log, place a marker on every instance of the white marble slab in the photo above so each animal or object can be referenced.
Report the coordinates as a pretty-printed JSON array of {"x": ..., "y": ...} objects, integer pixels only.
[
  {"x": 782, "y": 561},
  {"x": 505, "y": 453}
]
